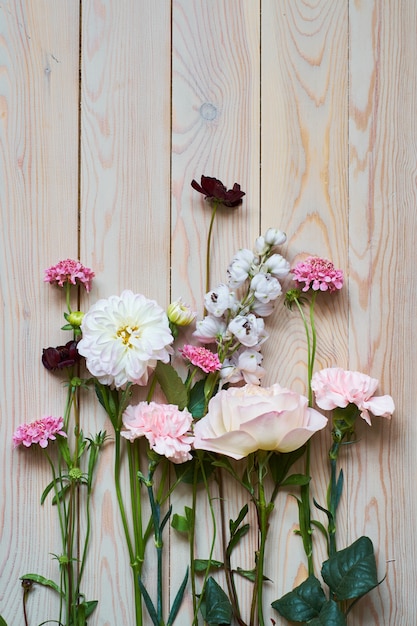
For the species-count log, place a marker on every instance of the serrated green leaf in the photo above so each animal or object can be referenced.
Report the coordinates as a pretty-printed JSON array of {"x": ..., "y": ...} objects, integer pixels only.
[
  {"x": 234, "y": 524},
  {"x": 351, "y": 572},
  {"x": 201, "y": 565},
  {"x": 296, "y": 479},
  {"x": 197, "y": 401},
  {"x": 41, "y": 580},
  {"x": 180, "y": 523},
  {"x": 303, "y": 603},
  {"x": 236, "y": 537},
  {"x": 330, "y": 615},
  {"x": 171, "y": 384},
  {"x": 218, "y": 608}
]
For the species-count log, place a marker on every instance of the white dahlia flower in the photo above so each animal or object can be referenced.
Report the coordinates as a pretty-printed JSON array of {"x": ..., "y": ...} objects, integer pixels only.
[{"x": 123, "y": 337}]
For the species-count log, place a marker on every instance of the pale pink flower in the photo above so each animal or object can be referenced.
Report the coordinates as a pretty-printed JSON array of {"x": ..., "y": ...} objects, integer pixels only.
[
  {"x": 335, "y": 387},
  {"x": 317, "y": 274},
  {"x": 40, "y": 431},
  {"x": 244, "y": 364},
  {"x": 123, "y": 337},
  {"x": 241, "y": 420},
  {"x": 165, "y": 427},
  {"x": 201, "y": 357},
  {"x": 69, "y": 271},
  {"x": 210, "y": 329}
]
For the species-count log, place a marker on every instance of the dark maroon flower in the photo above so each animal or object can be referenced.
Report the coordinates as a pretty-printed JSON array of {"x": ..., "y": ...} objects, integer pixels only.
[
  {"x": 60, "y": 357},
  {"x": 214, "y": 191}
]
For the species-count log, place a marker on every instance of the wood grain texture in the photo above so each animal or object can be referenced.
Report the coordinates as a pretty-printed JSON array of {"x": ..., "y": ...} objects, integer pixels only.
[
  {"x": 310, "y": 106},
  {"x": 38, "y": 204}
]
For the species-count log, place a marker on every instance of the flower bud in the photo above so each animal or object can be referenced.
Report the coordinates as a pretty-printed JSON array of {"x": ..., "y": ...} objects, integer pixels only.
[
  {"x": 275, "y": 237},
  {"x": 180, "y": 313},
  {"x": 75, "y": 318}
]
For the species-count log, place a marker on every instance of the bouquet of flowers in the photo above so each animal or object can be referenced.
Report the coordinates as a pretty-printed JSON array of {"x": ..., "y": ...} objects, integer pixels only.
[{"x": 216, "y": 419}]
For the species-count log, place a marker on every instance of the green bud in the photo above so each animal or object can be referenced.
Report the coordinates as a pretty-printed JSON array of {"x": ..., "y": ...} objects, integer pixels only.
[
  {"x": 180, "y": 314},
  {"x": 75, "y": 318}
]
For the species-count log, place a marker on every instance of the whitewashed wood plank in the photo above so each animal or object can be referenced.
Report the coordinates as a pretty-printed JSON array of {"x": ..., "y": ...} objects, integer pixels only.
[
  {"x": 215, "y": 132},
  {"x": 382, "y": 193},
  {"x": 125, "y": 219},
  {"x": 38, "y": 204},
  {"x": 304, "y": 98}
]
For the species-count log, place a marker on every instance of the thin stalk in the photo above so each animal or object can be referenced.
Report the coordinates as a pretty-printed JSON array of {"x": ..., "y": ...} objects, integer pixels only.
[
  {"x": 213, "y": 215},
  {"x": 191, "y": 542}
]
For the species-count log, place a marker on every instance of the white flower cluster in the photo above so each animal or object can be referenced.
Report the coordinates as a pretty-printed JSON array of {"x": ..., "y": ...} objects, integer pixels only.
[{"x": 235, "y": 310}]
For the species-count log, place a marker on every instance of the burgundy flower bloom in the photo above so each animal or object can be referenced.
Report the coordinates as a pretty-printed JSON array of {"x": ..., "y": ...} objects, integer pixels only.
[
  {"x": 214, "y": 191},
  {"x": 61, "y": 356}
]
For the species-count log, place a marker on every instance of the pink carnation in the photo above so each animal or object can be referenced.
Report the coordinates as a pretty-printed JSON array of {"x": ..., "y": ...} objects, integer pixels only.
[
  {"x": 334, "y": 387},
  {"x": 69, "y": 271},
  {"x": 317, "y": 274},
  {"x": 40, "y": 431},
  {"x": 201, "y": 357},
  {"x": 165, "y": 427}
]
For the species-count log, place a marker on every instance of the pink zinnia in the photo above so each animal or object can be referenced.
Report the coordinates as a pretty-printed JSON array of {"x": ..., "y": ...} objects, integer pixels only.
[
  {"x": 69, "y": 271},
  {"x": 335, "y": 387},
  {"x": 40, "y": 431},
  {"x": 201, "y": 357},
  {"x": 164, "y": 426},
  {"x": 317, "y": 274}
]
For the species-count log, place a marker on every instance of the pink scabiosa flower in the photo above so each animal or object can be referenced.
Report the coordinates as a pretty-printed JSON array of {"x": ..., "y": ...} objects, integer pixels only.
[
  {"x": 317, "y": 274},
  {"x": 40, "y": 431},
  {"x": 69, "y": 271},
  {"x": 201, "y": 357},
  {"x": 123, "y": 337},
  {"x": 165, "y": 427},
  {"x": 335, "y": 387},
  {"x": 241, "y": 420}
]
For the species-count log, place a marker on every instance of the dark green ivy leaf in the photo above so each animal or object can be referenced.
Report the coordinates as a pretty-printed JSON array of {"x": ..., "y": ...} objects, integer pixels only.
[
  {"x": 330, "y": 615},
  {"x": 303, "y": 603},
  {"x": 351, "y": 572},
  {"x": 218, "y": 608}
]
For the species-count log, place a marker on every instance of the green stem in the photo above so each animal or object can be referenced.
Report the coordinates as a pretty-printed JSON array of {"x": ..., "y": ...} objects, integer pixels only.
[
  {"x": 263, "y": 511},
  {"x": 213, "y": 215},
  {"x": 191, "y": 541}
]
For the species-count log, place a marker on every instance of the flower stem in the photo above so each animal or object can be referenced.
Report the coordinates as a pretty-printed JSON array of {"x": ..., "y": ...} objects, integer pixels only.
[{"x": 213, "y": 215}]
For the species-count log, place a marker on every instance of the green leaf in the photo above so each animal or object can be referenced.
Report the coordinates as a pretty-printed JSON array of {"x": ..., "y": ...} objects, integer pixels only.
[
  {"x": 180, "y": 523},
  {"x": 197, "y": 402},
  {"x": 185, "y": 471},
  {"x": 89, "y": 607},
  {"x": 218, "y": 608},
  {"x": 303, "y": 603},
  {"x": 2, "y": 621},
  {"x": 171, "y": 384},
  {"x": 281, "y": 462},
  {"x": 236, "y": 537},
  {"x": 41, "y": 580},
  {"x": 233, "y": 525},
  {"x": 296, "y": 479},
  {"x": 149, "y": 604},
  {"x": 330, "y": 615},
  {"x": 177, "y": 601},
  {"x": 351, "y": 572},
  {"x": 201, "y": 565},
  {"x": 250, "y": 574}
]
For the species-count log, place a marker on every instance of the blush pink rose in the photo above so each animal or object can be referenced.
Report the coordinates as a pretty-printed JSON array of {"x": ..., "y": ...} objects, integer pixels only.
[
  {"x": 165, "y": 427},
  {"x": 241, "y": 420},
  {"x": 335, "y": 387}
]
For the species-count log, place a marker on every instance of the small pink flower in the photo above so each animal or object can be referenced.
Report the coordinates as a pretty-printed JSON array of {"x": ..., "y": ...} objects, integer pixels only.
[
  {"x": 334, "y": 387},
  {"x": 40, "y": 431},
  {"x": 317, "y": 274},
  {"x": 69, "y": 271},
  {"x": 201, "y": 357},
  {"x": 164, "y": 426}
]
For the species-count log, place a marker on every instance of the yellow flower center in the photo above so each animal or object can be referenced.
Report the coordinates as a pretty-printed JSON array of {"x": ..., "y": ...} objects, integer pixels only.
[{"x": 125, "y": 334}]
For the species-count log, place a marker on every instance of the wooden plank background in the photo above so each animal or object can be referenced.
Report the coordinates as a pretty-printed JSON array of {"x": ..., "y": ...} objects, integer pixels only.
[{"x": 108, "y": 110}]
